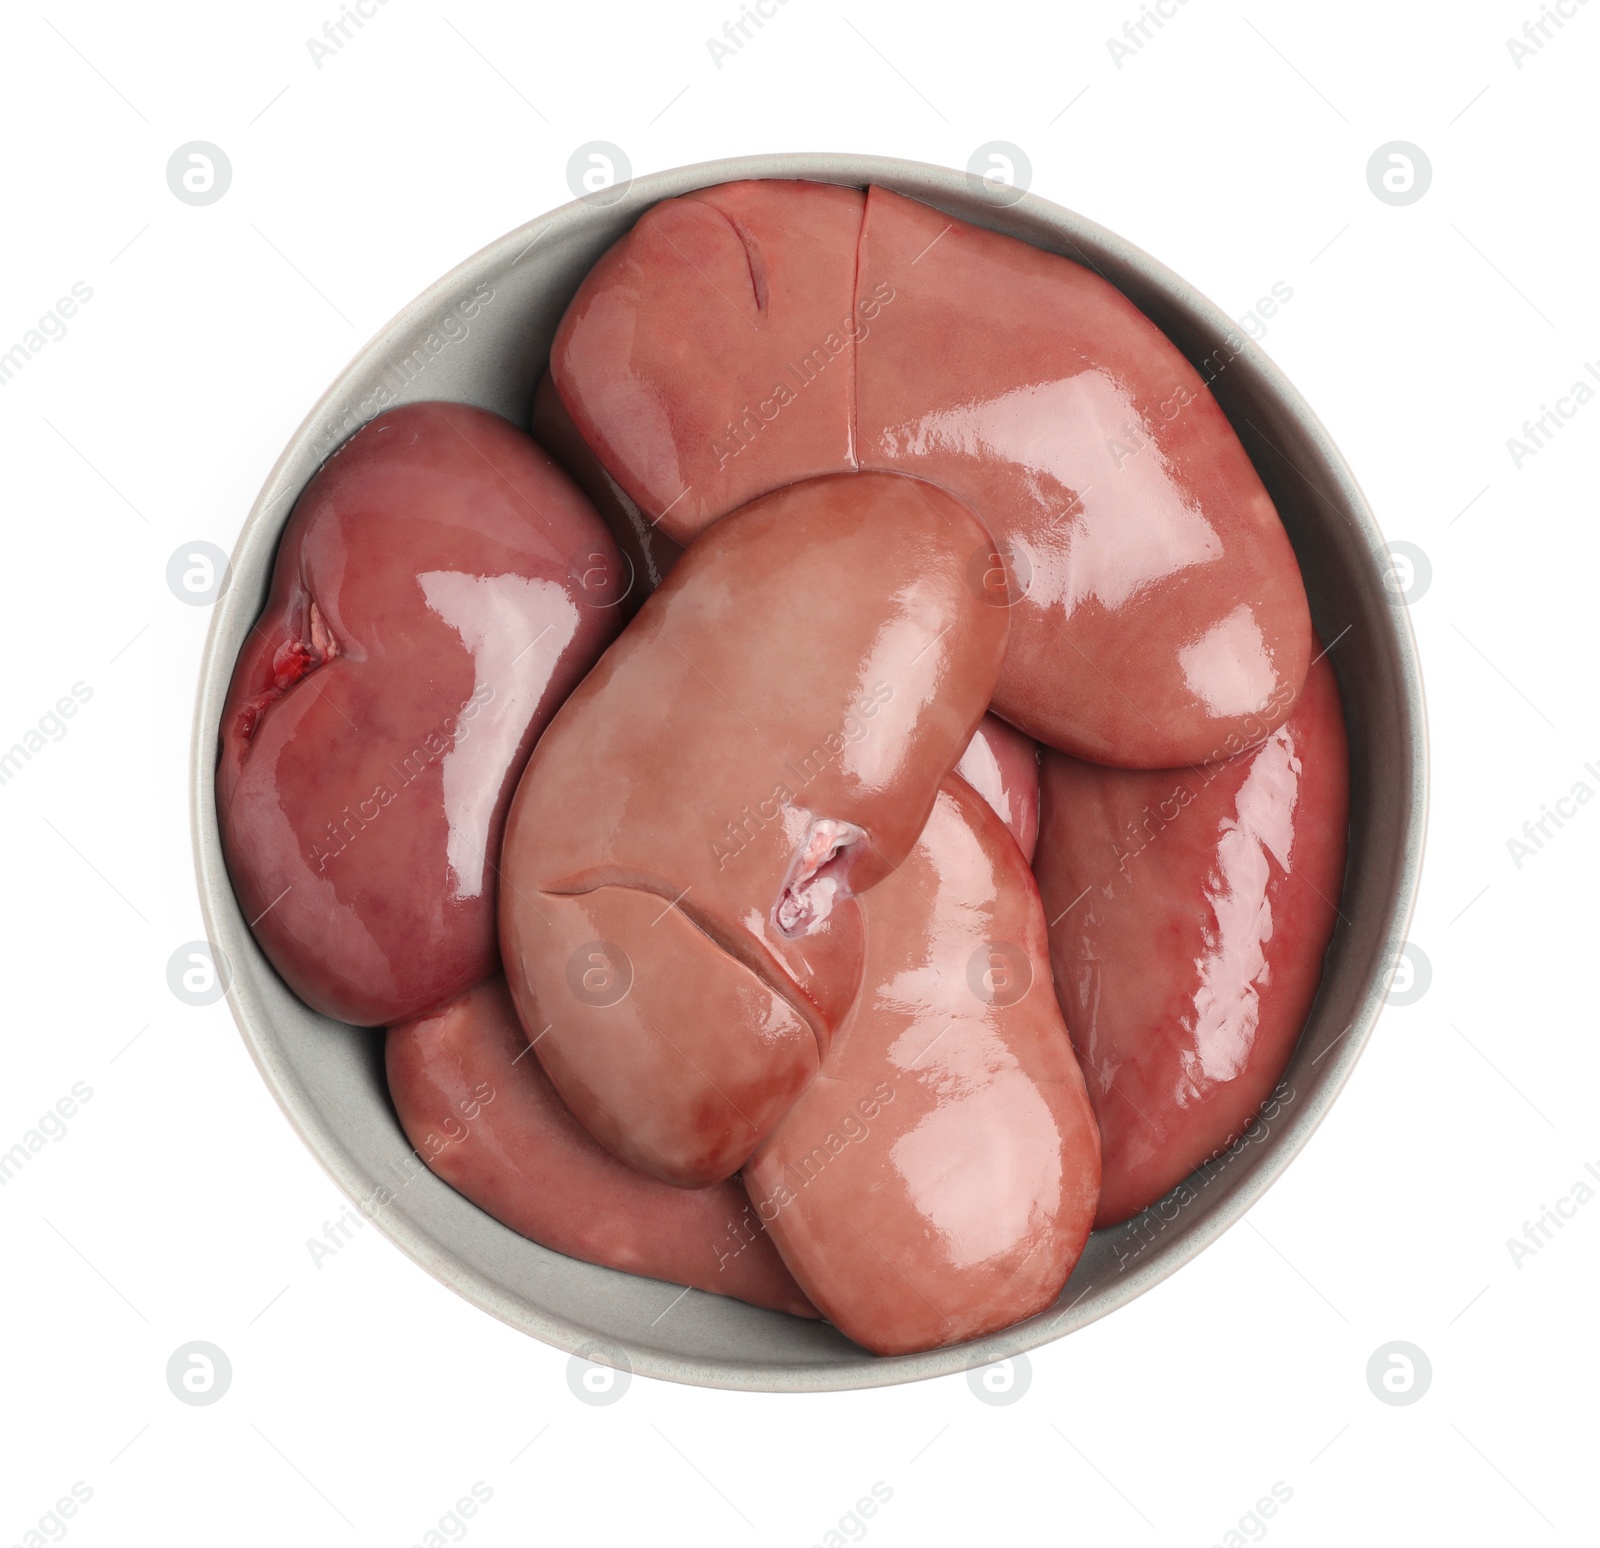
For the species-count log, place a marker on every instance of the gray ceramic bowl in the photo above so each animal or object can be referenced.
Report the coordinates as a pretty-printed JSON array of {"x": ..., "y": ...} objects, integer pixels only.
[{"x": 329, "y": 1077}]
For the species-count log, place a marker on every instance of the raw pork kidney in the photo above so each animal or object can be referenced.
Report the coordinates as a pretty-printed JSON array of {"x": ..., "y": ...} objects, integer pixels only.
[
  {"x": 486, "y": 1119},
  {"x": 764, "y": 741},
  {"x": 707, "y": 357},
  {"x": 439, "y": 589},
  {"x": 938, "y": 1179},
  {"x": 1190, "y": 912},
  {"x": 758, "y": 333}
]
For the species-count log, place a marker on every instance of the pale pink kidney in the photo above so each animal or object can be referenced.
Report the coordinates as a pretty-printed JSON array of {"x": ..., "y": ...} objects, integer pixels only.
[
  {"x": 1002, "y": 765},
  {"x": 938, "y": 1179},
  {"x": 708, "y": 356},
  {"x": 764, "y": 741},
  {"x": 1157, "y": 605}
]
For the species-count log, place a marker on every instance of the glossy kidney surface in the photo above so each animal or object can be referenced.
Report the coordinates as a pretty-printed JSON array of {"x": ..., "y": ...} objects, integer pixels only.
[
  {"x": 758, "y": 333},
  {"x": 1002, "y": 765},
  {"x": 1157, "y": 599},
  {"x": 1192, "y": 909},
  {"x": 707, "y": 358},
  {"x": 938, "y": 1179},
  {"x": 484, "y": 1116},
  {"x": 439, "y": 588},
  {"x": 763, "y": 742}
]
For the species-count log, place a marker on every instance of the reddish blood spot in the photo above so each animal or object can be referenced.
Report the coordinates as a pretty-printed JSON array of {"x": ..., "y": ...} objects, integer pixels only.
[{"x": 294, "y": 660}]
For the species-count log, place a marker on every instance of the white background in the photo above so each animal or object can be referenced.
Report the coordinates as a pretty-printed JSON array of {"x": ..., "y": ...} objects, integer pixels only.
[{"x": 366, "y": 1398}]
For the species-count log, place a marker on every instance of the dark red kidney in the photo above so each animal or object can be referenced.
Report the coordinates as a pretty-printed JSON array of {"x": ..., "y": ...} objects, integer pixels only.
[
  {"x": 440, "y": 587},
  {"x": 1191, "y": 910},
  {"x": 483, "y": 1115}
]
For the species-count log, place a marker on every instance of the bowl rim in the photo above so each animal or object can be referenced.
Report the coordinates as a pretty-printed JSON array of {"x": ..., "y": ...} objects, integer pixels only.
[{"x": 264, "y": 523}]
